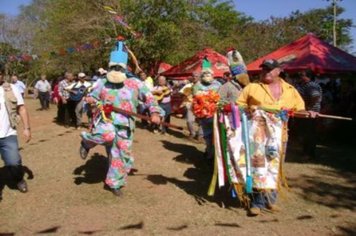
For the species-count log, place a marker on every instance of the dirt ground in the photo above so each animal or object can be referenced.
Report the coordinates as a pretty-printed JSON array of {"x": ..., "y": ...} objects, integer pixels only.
[{"x": 167, "y": 195}]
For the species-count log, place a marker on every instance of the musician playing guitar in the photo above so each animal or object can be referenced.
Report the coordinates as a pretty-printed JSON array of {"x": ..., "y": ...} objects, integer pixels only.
[
  {"x": 162, "y": 93},
  {"x": 77, "y": 91}
]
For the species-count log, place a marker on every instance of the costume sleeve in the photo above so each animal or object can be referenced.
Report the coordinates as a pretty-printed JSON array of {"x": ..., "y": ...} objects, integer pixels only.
[{"x": 242, "y": 100}]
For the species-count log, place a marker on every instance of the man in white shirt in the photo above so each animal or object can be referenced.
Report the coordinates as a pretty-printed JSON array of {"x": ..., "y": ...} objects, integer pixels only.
[
  {"x": 9, "y": 148},
  {"x": 43, "y": 89},
  {"x": 21, "y": 87}
]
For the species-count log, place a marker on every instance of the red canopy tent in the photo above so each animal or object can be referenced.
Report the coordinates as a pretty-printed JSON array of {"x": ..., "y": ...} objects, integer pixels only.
[
  {"x": 162, "y": 67},
  {"x": 194, "y": 64},
  {"x": 159, "y": 68},
  {"x": 309, "y": 52}
]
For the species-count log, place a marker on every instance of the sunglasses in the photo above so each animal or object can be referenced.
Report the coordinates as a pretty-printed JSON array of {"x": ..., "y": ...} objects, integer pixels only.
[{"x": 117, "y": 68}]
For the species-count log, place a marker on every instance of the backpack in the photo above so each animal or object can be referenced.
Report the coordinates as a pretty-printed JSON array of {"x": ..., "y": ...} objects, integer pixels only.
[{"x": 11, "y": 105}]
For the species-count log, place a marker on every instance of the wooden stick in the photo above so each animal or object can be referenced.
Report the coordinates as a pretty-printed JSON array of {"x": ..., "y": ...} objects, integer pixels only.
[
  {"x": 302, "y": 114},
  {"x": 130, "y": 113}
]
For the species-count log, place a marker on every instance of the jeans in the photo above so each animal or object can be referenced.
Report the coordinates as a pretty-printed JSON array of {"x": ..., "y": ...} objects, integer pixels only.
[
  {"x": 262, "y": 199},
  {"x": 9, "y": 150},
  {"x": 167, "y": 116}
]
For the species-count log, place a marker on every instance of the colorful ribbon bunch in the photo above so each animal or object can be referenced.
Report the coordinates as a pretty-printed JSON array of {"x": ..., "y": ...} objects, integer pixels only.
[{"x": 105, "y": 111}]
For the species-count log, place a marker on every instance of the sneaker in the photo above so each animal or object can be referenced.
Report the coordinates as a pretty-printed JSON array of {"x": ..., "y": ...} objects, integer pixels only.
[
  {"x": 83, "y": 152},
  {"x": 117, "y": 192},
  {"x": 22, "y": 186},
  {"x": 254, "y": 211}
]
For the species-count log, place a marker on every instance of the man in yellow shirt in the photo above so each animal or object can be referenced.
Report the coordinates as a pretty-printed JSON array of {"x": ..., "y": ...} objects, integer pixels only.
[{"x": 271, "y": 92}]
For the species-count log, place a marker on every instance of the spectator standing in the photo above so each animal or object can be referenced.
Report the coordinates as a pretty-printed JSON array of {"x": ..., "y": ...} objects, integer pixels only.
[
  {"x": 77, "y": 91},
  {"x": 9, "y": 147},
  {"x": 64, "y": 110},
  {"x": 187, "y": 91},
  {"x": 162, "y": 94},
  {"x": 43, "y": 89},
  {"x": 312, "y": 95}
]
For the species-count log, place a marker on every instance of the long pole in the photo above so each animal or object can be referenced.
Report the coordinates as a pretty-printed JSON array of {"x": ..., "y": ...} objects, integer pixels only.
[{"x": 334, "y": 23}]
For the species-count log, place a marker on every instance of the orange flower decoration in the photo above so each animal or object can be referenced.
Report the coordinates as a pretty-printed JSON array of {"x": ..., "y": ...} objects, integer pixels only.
[{"x": 205, "y": 104}]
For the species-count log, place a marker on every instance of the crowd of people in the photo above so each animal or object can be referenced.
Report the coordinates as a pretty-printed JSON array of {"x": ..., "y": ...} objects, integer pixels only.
[{"x": 110, "y": 90}]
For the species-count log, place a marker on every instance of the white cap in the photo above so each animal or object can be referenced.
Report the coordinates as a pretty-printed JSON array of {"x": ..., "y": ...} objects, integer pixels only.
[{"x": 81, "y": 75}]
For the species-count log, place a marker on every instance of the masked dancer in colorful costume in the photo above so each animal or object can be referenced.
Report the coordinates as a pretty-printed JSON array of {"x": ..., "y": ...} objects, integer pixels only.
[
  {"x": 250, "y": 139},
  {"x": 205, "y": 97},
  {"x": 115, "y": 129}
]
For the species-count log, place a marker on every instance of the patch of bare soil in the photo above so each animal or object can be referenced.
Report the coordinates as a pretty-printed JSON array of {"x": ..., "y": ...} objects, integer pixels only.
[{"x": 167, "y": 195}]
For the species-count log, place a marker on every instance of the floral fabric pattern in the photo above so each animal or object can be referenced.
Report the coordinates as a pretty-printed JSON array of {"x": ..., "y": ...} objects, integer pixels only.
[{"x": 117, "y": 135}]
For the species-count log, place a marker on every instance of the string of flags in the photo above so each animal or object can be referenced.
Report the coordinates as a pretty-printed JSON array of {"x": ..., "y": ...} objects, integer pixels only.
[
  {"x": 19, "y": 57},
  {"x": 24, "y": 57},
  {"x": 120, "y": 20}
]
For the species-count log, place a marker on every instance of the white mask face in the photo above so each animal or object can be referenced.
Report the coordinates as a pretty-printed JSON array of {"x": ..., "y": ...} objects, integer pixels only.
[
  {"x": 207, "y": 77},
  {"x": 116, "y": 77}
]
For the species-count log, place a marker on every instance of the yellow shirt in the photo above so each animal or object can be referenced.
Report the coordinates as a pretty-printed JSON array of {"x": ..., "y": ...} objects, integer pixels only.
[{"x": 259, "y": 94}]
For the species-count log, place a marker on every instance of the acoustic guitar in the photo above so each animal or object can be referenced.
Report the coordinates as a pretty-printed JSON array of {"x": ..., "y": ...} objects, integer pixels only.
[{"x": 160, "y": 94}]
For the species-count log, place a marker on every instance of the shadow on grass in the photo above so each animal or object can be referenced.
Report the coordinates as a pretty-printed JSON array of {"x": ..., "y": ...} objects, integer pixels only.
[
  {"x": 133, "y": 226},
  {"x": 337, "y": 193},
  {"x": 49, "y": 230},
  {"x": 93, "y": 171},
  {"x": 7, "y": 180},
  {"x": 349, "y": 231},
  {"x": 199, "y": 176}
]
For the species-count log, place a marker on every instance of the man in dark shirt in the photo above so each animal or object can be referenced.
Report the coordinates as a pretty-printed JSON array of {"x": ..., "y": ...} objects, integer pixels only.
[{"x": 311, "y": 93}]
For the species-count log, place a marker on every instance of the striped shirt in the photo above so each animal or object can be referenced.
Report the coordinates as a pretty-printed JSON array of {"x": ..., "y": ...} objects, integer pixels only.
[
  {"x": 61, "y": 89},
  {"x": 312, "y": 94}
]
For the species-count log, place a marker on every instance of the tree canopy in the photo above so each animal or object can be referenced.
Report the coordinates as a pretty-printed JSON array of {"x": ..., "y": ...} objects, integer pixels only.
[{"x": 155, "y": 30}]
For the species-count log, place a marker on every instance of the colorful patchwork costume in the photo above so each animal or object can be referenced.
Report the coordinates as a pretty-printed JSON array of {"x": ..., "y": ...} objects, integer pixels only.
[{"x": 115, "y": 131}]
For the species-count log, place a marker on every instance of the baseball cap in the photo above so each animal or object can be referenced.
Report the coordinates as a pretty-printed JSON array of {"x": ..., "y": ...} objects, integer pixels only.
[
  {"x": 269, "y": 64},
  {"x": 81, "y": 75}
]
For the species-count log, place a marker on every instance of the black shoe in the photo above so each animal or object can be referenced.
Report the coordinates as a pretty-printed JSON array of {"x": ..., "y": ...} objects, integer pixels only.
[
  {"x": 22, "y": 186},
  {"x": 117, "y": 192},
  {"x": 83, "y": 152}
]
